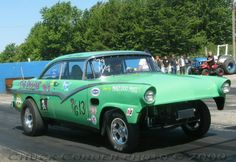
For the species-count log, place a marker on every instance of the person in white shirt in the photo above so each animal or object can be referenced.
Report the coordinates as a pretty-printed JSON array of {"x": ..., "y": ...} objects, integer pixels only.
[
  {"x": 143, "y": 66},
  {"x": 182, "y": 65}
]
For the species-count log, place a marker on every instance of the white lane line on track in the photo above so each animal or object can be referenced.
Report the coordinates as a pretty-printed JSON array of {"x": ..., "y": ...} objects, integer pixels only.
[
  {"x": 231, "y": 105},
  {"x": 5, "y": 102},
  {"x": 27, "y": 156}
]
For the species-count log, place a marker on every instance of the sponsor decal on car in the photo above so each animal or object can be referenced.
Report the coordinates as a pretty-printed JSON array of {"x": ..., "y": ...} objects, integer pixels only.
[
  {"x": 31, "y": 85},
  {"x": 18, "y": 101},
  {"x": 125, "y": 89},
  {"x": 94, "y": 119},
  {"x": 107, "y": 89},
  {"x": 66, "y": 85},
  {"x": 93, "y": 110},
  {"x": 46, "y": 87},
  {"x": 129, "y": 112},
  {"x": 44, "y": 104},
  {"x": 95, "y": 92}
]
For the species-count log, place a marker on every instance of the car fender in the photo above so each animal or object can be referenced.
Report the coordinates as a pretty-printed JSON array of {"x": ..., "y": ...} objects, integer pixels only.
[{"x": 131, "y": 112}]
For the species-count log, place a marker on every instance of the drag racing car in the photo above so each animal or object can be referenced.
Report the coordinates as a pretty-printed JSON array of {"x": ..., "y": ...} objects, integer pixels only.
[{"x": 118, "y": 94}]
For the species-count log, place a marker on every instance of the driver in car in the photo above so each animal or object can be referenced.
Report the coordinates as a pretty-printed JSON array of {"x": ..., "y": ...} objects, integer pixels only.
[{"x": 115, "y": 67}]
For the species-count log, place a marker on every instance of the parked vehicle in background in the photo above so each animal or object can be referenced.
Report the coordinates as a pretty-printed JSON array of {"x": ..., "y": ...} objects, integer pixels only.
[
  {"x": 225, "y": 60},
  {"x": 118, "y": 94},
  {"x": 201, "y": 67},
  {"x": 196, "y": 65},
  {"x": 224, "y": 64},
  {"x": 214, "y": 69}
]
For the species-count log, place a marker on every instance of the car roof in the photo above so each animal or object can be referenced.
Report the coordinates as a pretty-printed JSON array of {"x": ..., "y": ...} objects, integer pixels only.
[{"x": 86, "y": 55}]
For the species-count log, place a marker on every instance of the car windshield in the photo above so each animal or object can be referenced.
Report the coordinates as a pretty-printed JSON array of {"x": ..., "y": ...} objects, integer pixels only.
[{"x": 116, "y": 65}]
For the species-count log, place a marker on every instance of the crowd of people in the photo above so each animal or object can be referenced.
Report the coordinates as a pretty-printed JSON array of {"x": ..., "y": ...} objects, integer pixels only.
[{"x": 173, "y": 64}]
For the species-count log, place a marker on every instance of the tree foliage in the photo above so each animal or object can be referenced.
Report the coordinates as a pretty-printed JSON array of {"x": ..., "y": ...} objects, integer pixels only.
[
  {"x": 10, "y": 53},
  {"x": 163, "y": 27}
]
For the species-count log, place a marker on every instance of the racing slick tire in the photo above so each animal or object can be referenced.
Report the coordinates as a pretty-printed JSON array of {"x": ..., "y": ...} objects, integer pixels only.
[
  {"x": 122, "y": 135},
  {"x": 201, "y": 125},
  {"x": 219, "y": 71},
  {"x": 229, "y": 66},
  {"x": 31, "y": 120},
  {"x": 205, "y": 72}
]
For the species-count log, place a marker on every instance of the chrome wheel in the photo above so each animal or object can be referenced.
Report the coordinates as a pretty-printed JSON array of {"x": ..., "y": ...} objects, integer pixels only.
[
  {"x": 119, "y": 131},
  {"x": 28, "y": 118}
]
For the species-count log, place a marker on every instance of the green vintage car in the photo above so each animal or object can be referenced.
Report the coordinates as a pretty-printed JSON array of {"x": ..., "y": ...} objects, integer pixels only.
[{"x": 116, "y": 93}]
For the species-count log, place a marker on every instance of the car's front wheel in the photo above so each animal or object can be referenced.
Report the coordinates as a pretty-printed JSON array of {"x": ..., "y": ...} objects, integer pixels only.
[
  {"x": 122, "y": 135},
  {"x": 31, "y": 119},
  {"x": 201, "y": 124}
]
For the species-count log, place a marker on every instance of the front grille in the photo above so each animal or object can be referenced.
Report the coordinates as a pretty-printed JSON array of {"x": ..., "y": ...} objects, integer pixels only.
[{"x": 165, "y": 115}]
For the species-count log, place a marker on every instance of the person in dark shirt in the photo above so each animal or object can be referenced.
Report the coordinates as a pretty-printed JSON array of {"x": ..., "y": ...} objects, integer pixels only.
[
  {"x": 173, "y": 63},
  {"x": 158, "y": 61},
  {"x": 166, "y": 64},
  {"x": 188, "y": 61}
]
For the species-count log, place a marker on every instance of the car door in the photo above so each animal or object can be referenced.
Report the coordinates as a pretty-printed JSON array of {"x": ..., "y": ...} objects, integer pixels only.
[
  {"x": 63, "y": 97},
  {"x": 50, "y": 95}
]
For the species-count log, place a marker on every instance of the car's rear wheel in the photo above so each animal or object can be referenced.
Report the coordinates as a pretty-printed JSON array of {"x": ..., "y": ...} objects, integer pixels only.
[
  {"x": 122, "y": 135},
  {"x": 201, "y": 124},
  {"x": 31, "y": 119}
]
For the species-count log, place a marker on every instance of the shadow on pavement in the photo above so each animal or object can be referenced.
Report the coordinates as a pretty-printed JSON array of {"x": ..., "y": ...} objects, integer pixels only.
[{"x": 148, "y": 140}]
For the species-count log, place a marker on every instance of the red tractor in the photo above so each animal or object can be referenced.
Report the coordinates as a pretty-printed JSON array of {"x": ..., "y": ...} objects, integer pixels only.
[{"x": 215, "y": 69}]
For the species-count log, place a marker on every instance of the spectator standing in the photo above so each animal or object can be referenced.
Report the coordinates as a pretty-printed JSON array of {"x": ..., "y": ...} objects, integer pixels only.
[
  {"x": 158, "y": 61},
  {"x": 181, "y": 62},
  {"x": 166, "y": 64},
  {"x": 188, "y": 61},
  {"x": 188, "y": 64},
  {"x": 173, "y": 63}
]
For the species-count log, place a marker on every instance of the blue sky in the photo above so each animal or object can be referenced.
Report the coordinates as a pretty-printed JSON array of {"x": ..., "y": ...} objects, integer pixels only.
[{"x": 17, "y": 17}]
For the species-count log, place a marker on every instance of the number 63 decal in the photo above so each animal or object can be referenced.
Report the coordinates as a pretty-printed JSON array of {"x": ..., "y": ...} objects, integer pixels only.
[{"x": 78, "y": 108}]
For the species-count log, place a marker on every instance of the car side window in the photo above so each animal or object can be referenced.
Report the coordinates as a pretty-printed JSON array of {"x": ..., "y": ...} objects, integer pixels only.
[
  {"x": 56, "y": 71},
  {"x": 95, "y": 68},
  {"x": 137, "y": 64},
  {"x": 89, "y": 72},
  {"x": 76, "y": 70}
]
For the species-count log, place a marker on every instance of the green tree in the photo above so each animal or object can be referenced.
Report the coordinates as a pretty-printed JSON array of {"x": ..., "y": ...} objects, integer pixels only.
[
  {"x": 10, "y": 53},
  {"x": 180, "y": 27},
  {"x": 59, "y": 32},
  {"x": 33, "y": 47},
  {"x": 163, "y": 27},
  {"x": 117, "y": 24}
]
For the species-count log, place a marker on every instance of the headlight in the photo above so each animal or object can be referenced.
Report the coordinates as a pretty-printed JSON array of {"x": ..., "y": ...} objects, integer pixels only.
[
  {"x": 225, "y": 87},
  {"x": 149, "y": 96}
]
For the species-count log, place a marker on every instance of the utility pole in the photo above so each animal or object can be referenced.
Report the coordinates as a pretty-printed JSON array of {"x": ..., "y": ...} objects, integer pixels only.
[{"x": 233, "y": 29}]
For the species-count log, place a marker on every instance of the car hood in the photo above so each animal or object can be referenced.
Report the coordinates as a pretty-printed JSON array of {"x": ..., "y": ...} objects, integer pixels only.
[{"x": 175, "y": 88}]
